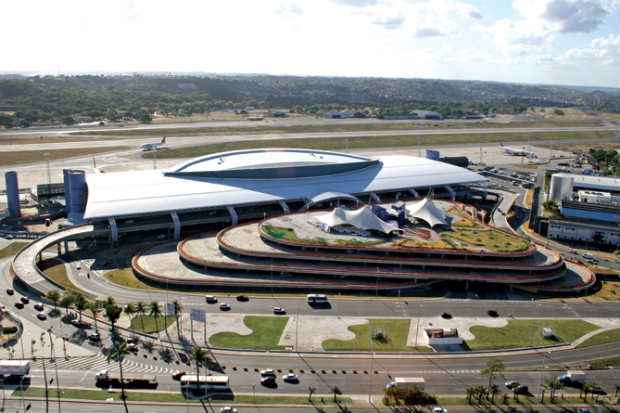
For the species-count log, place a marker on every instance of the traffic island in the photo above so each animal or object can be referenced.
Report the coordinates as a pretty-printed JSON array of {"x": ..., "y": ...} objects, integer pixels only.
[{"x": 265, "y": 335}]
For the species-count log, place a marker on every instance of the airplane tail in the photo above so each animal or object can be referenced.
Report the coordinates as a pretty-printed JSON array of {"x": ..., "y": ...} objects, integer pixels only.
[{"x": 163, "y": 140}]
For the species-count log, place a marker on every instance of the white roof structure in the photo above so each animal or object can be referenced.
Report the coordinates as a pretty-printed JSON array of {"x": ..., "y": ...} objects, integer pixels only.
[
  {"x": 362, "y": 218},
  {"x": 259, "y": 176},
  {"x": 426, "y": 210},
  {"x": 601, "y": 183}
]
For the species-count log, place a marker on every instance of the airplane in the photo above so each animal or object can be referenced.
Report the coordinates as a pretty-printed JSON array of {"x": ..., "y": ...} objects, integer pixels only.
[
  {"x": 518, "y": 151},
  {"x": 154, "y": 146}
]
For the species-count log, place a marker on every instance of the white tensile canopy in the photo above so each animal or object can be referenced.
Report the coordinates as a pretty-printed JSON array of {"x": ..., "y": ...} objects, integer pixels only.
[
  {"x": 426, "y": 210},
  {"x": 362, "y": 218}
]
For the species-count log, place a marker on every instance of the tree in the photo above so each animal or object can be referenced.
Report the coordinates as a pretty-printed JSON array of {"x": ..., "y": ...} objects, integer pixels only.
[
  {"x": 54, "y": 297},
  {"x": 95, "y": 308},
  {"x": 199, "y": 355},
  {"x": 130, "y": 309},
  {"x": 141, "y": 310},
  {"x": 553, "y": 385},
  {"x": 178, "y": 308},
  {"x": 117, "y": 353},
  {"x": 471, "y": 391},
  {"x": 493, "y": 391},
  {"x": 80, "y": 304},
  {"x": 113, "y": 313},
  {"x": 155, "y": 312},
  {"x": 494, "y": 366},
  {"x": 311, "y": 391},
  {"x": 480, "y": 392},
  {"x": 336, "y": 391},
  {"x": 67, "y": 300}
]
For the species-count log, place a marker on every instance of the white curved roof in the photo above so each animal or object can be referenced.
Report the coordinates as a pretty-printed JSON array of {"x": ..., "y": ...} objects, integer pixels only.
[
  {"x": 155, "y": 192},
  {"x": 362, "y": 218},
  {"x": 425, "y": 209}
]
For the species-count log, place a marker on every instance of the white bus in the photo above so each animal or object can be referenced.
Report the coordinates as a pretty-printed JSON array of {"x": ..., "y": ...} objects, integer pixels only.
[
  {"x": 316, "y": 298},
  {"x": 209, "y": 383}
]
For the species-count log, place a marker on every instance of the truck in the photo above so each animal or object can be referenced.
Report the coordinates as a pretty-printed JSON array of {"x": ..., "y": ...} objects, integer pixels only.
[
  {"x": 14, "y": 370},
  {"x": 407, "y": 383},
  {"x": 105, "y": 378},
  {"x": 572, "y": 377}
]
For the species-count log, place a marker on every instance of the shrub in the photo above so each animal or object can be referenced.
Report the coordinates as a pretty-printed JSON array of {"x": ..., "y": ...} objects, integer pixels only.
[{"x": 9, "y": 330}]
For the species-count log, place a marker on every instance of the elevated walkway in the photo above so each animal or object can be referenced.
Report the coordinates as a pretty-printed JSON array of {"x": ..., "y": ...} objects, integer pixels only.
[{"x": 24, "y": 266}]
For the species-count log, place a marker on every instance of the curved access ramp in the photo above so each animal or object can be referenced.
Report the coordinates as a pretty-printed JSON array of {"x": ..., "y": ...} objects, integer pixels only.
[{"x": 25, "y": 263}]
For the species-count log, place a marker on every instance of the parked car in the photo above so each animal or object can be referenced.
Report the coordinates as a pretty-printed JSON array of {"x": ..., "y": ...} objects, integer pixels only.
[
  {"x": 42, "y": 316},
  {"x": 19, "y": 305},
  {"x": 24, "y": 300},
  {"x": 9, "y": 291},
  {"x": 38, "y": 307},
  {"x": 94, "y": 337},
  {"x": 132, "y": 347}
]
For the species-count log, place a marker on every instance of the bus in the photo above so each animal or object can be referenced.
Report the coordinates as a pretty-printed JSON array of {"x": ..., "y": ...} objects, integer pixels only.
[
  {"x": 317, "y": 299},
  {"x": 209, "y": 383}
]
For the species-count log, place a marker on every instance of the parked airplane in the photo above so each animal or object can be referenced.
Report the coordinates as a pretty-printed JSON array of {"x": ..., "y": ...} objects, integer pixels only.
[
  {"x": 518, "y": 151},
  {"x": 154, "y": 146}
]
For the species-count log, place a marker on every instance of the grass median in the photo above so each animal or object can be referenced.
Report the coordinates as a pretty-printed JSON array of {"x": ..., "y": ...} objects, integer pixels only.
[
  {"x": 266, "y": 333},
  {"x": 12, "y": 249},
  {"x": 20, "y": 157},
  {"x": 609, "y": 336},
  {"x": 527, "y": 333},
  {"x": 151, "y": 324},
  {"x": 136, "y": 396},
  {"x": 368, "y": 142},
  {"x": 377, "y": 335}
]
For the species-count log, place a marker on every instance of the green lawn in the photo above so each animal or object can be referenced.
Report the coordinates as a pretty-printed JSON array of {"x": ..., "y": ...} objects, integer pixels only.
[
  {"x": 491, "y": 239},
  {"x": 149, "y": 324},
  {"x": 602, "y": 338},
  {"x": 12, "y": 249},
  {"x": 392, "y": 141},
  {"x": 266, "y": 333},
  {"x": 395, "y": 330},
  {"x": 126, "y": 278},
  {"x": 527, "y": 333},
  {"x": 88, "y": 394}
]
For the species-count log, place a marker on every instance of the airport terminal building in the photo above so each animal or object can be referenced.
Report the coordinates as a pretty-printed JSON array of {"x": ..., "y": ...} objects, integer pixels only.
[{"x": 250, "y": 184}]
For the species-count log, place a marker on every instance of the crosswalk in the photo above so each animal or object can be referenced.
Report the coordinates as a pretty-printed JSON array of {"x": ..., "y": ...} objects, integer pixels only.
[{"x": 99, "y": 362}]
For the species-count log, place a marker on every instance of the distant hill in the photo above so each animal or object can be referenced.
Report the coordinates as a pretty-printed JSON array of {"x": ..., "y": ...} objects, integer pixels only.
[{"x": 67, "y": 99}]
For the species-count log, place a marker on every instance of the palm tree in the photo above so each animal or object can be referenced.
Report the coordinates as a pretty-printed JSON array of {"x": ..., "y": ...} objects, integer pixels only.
[
  {"x": 54, "y": 297},
  {"x": 80, "y": 304},
  {"x": 117, "y": 353},
  {"x": 110, "y": 301},
  {"x": 130, "y": 310},
  {"x": 141, "y": 310},
  {"x": 112, "y": 313},
  {"x": 155, "y": 312},
  {"x": 493, "y": 390},
  {"x": 494, "y": 366},
  {"x": 336, "y": 391},
  {"x": 95, "y": 308},
  {"x": 470, "y": 393},
  {"x": 177, "y": 312},
  {"x": 553, "y": 385},
  {"x": 481, "y": 391},
  {"x": 199, "y": 356},
  {"x": 311, "y": 391},
  {"x": 67, "y": 300}
]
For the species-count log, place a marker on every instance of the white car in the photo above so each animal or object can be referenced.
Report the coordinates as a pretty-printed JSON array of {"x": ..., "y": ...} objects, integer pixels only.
[
  {"x": 279, "y": 310},
  {"x": 290, "y": 378},
  {"x": 228, "y": 409},
  {"x": 438, "y": 409}
]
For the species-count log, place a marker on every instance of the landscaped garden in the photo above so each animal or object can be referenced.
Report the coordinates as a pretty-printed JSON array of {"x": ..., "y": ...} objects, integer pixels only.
[{"x": 266, "y": 333}]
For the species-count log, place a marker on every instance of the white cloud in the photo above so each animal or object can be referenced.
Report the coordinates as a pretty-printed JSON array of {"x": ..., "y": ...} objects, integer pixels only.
[
  {"x": 391, "y": 22},
  {"x": 356, "y": 3},
  {"x": 428, "y": 32}
]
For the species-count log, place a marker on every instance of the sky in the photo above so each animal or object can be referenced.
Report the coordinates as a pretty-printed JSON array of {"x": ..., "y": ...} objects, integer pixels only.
[{"x": 569, "y": 42}]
